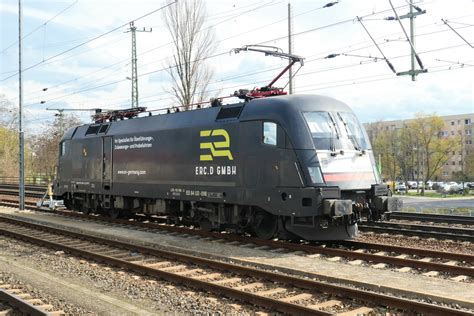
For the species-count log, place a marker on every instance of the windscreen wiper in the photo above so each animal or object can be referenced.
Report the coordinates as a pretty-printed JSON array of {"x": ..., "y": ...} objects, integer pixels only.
[
  {"x": 333, "y": 128},
  {"x": 351, "y": 136}
]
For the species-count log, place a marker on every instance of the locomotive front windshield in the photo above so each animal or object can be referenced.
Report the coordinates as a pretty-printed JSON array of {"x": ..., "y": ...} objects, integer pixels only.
[{"x": 336, "y": 131}]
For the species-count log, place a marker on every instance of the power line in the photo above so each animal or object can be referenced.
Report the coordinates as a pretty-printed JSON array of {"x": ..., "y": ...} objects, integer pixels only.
[
  {"x": 330, "y": 25},
  {"x": 90, "y": 40},
  {"x": 373, "y": 78},
  {"x": 219, "y": 54},
  {"x": 376, "y": 45},
  {"x": 377, "y": 78},
  {"x": 113, "y": 40},
  {"x": 446, "y": 22},
  {"x": 265, "y": 5},
  {"x": 40, "y": 26},
  {"x": 106, "y": 84},
  {"x": 321, "y": 70},
  {"x": 302, "y": 74}
]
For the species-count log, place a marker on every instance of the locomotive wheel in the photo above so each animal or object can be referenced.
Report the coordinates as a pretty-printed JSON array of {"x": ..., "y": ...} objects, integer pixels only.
[
  {"x": 205, "y": 224},
  {"x": 265, "y": 225},
  {"x": 113, "y": 213}
]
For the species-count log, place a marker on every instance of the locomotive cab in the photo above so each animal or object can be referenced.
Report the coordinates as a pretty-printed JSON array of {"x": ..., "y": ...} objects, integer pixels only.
[{"x": 340, "y": 183}]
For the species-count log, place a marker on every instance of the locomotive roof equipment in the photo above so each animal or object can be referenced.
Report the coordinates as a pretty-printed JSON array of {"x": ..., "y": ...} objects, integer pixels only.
[{"x": 268, "y": 90}]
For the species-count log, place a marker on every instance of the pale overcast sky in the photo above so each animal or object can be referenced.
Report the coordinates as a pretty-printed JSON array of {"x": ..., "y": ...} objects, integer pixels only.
[{"x": 94, "y": 74}]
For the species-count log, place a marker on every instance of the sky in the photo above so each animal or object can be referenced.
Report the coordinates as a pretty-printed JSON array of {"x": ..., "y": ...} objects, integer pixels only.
[{"x": 77, "y": 54}]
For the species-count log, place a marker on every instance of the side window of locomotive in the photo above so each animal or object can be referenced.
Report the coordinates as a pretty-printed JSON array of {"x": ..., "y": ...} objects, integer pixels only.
[
  {"x": 62, "y": 148},
  {"x": 270, "y": 133}
]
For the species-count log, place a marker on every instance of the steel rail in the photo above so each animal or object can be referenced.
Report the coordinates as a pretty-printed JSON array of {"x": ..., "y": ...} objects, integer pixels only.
[
  {"x": 175, "y": 278},
  {"x": 420, "y": 230},
  {"x": 366, "y": 296},
  {"x": 20, "y": 304},
  {"x": 315, "y": 249},
  {"x": 28, "y": 193},
  {"x": 409, "y": 250},
  {"x": 436, "y": 218},
  {"x": 32, "y": 187}
]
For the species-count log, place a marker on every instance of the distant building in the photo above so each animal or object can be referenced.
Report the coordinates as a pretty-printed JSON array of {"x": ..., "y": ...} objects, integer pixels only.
[{"x": 454, "y": 125}]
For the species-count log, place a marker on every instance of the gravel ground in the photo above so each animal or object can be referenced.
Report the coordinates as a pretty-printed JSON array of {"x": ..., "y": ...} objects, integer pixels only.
[
  {"x": 57, "y": 303},
  {"x": 428, "y": 223},
  {"x": 158, "y": 295},
  {"x": 418, "y": 242}
]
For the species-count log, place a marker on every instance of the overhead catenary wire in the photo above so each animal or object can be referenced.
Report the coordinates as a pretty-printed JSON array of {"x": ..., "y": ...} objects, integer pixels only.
[
  {"x": 373, "y": 78},
  {"x": 454, "y": 62},
  {"x": 446, "y": 22},
  {"x": 346, "y": 53},
  {"x": 40, "y": 26},
  {"x": 77, "y": 92},
  {"x": 162, "y": 69},
  {"x": 265, "y": 5},
  {"x": 378, "y": 78},
  {"x": 90, "y": 40},
  {"x": 374, "y": 13},
  {"x": 318, "y": 71},
  {"x": 304, "y": 32},
  {"x": 376, "y": 45}
]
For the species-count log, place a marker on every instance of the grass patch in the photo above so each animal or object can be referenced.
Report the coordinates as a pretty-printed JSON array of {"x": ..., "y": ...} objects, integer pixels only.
[
  {"x": 440, "y": 210},
  {"x": 434, "y": 194}
]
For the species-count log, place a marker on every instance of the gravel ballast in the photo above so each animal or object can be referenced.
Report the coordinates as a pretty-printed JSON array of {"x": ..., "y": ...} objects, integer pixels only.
[
  {"x": 154, "y": 296},
  {"x": 465, "y": 247}
]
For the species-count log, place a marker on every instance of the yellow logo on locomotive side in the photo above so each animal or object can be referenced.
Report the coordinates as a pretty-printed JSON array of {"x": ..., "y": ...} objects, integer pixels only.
[{"x": 217, "y": 148}]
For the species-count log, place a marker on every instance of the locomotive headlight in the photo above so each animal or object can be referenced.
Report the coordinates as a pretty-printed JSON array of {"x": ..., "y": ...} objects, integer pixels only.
[{"x": 315, "y": 174}]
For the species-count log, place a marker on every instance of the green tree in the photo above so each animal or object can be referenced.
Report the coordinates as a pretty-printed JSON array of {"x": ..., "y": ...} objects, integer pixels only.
[
  {"x": 8, "y": 153},
  {"x": 406, "y": 154},
  {"x": 467, "y": 172},
  {"x": 469, "y": 166},
  {"x": 433, "y": 148},
  {"x": 386, "y": 145}
]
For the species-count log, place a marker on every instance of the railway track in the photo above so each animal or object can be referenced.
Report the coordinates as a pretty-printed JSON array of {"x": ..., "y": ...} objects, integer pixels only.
[
  {"x": 434, "y": 218},
  {"x": 17, "y": 301},
  {"x": 33, "y": 191},
  {"x": 277, "y": 292},
  {"x": 423, "y": 260},
  {"x": 443, "y": 232}
]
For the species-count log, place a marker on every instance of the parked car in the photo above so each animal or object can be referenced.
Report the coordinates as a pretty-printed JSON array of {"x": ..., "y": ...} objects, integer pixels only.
[
  {"x": 437, "y": 185},
  {"x": 400, "y": 187},
  {"x": 452, "y": 187},
  {"x": 429, "y": 185},
  {"x": 412, "y": 184}
]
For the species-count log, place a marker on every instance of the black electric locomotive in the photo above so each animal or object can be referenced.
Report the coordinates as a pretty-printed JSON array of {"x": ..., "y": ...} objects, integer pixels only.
[{"x": 297, "y": 166}]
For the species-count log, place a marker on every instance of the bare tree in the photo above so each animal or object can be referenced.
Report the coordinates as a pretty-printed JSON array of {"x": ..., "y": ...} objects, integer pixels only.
[
  {"x": 45, "y": 145},
  {"x": 193, "y": 44},
  {"x": 9, "y": 117}
]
